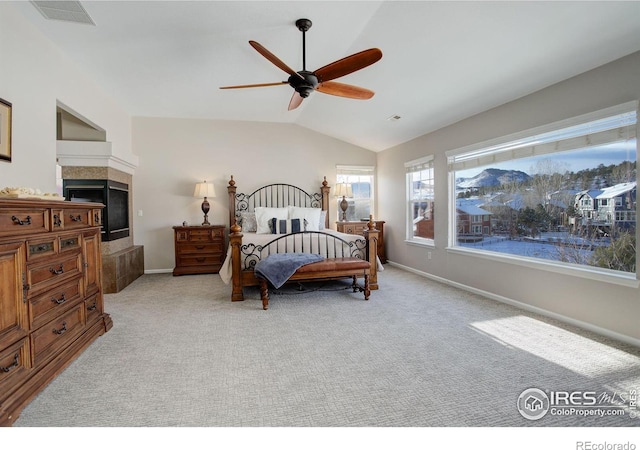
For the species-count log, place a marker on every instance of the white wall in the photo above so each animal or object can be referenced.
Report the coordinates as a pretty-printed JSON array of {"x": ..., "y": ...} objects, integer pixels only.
[
  {"x": 612, "y": 308},
  {"x": 174, "y": 154},
  {"x": 34, "y": 76}
]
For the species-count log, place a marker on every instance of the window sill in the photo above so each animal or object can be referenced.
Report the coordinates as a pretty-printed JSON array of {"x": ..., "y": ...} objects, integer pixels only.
[
  {"x": 591, "y": 273},
  {"x": 425, "y": 243}
]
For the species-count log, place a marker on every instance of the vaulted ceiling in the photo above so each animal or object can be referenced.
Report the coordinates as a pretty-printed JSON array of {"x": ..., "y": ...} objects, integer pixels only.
[{"x": 442, "y": 61}]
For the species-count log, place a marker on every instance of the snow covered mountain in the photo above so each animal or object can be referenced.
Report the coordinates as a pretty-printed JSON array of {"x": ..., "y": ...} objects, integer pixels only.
[{"x": 492, "y": 177}]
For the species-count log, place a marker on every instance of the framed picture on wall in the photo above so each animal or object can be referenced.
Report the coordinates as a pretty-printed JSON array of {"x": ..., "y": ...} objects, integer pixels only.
[{"x": 5, "y": 130}]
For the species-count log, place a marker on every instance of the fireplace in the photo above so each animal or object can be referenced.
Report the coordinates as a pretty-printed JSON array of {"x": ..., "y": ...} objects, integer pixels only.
[{"x": 114, "y": 195}]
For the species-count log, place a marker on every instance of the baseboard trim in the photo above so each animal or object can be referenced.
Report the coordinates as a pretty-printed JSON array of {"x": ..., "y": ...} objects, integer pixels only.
[
  {"x": 534, "y": 309},
  {"x": 152, "y": 271}
]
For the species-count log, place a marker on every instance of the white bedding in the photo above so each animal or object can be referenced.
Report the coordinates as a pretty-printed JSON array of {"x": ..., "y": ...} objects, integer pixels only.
[{"x": 310, "y": 247}]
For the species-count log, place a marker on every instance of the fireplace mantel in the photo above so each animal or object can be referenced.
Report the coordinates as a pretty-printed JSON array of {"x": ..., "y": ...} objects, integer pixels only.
[{"x": 93, "y": 154}]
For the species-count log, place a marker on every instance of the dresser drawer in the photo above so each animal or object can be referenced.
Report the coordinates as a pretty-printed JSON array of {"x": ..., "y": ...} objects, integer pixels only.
[
  {"x": 92, "y": 309},
  {"x": 76, "y": 218},
  {"x": 49, "y": 246},
  {"x": 47, "y": 274},
  {"x": 55, "y": 335},
  {"x": 19, "y": 221},
  {"x": 15, "y": 361},
  {"x": 47, "y": 306}
]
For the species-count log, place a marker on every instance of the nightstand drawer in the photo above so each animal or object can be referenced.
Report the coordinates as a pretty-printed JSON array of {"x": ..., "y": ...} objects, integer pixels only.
[
  {"x": 354, "y": 228},
  {"x": 359, "y": 227},
  {"x": 208, "y": 259},
  {"x": 202, "y": 247},
  {"x": 199, "y": 249}
]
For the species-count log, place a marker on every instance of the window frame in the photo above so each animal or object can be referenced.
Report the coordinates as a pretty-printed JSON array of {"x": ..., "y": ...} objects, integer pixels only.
[
  {"x": 343, "y": 170},
  {"x": 584, "y": 271},
  {"x": 410, "y": 238}
]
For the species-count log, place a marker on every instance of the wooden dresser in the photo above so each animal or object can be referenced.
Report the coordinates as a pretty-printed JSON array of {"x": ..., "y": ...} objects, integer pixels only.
[
  {"x": 358, "y": 227},
  {"x": 51, "y": 305},
  {"x": 199, "y": 249}
]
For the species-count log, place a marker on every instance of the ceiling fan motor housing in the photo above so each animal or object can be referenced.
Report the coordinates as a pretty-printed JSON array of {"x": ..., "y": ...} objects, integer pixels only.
[{"x": 304, "y": 84}]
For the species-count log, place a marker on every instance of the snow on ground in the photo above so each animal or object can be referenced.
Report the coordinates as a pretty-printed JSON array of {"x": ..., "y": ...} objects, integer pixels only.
[{"x": 545, "y": 247}]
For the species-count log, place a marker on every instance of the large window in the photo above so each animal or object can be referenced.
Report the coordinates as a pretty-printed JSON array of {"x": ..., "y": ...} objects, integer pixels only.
[
  {"x": 566, "y": 193},
  {"x": 361, "y": 202},
  {"x": 420, "y": 200}
]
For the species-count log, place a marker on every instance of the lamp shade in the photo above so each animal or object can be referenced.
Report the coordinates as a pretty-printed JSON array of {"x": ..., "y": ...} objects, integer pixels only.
[
  {"x": 344, "y": 190},
  {"x": 204, "y": 190}
]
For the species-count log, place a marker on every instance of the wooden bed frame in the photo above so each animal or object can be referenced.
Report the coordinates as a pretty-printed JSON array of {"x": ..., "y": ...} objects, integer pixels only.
[{"x": 277, "y": 196}]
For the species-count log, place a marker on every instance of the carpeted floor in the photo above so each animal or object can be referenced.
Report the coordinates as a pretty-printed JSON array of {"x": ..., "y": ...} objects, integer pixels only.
[{"x": 418, "y": 354}]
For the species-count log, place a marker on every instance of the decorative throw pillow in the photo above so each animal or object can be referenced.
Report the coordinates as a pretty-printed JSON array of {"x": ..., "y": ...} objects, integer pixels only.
[
  {"x": 285, "y": 226},
  {"x": 248, "y": 221},
  {"x": 311, "y": 215},
  {"x": 264, "y": 216}
]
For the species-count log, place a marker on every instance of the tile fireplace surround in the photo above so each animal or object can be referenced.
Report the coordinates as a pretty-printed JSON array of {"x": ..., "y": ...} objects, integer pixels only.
[{"x": 122, "y": 262}]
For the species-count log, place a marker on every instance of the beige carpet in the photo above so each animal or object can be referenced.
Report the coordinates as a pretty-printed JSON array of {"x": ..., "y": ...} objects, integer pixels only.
[{"x": 418, "y": 354}]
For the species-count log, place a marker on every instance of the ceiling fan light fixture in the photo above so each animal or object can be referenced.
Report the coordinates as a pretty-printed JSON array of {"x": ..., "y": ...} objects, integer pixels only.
[{"x": 304, "y": 82}]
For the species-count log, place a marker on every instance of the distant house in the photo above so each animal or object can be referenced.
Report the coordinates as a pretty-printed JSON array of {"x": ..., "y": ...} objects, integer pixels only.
[
  {"x": 472, "y": 220},
  {"x": 608, "y": 209}
]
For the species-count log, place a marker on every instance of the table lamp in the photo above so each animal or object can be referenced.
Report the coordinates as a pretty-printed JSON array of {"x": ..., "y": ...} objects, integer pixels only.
[
  {"x": 205, "y": 190},
  {"x": 344, "y": 190}
]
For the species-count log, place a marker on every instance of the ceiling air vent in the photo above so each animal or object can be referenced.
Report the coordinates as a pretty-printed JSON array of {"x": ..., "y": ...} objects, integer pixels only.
[{"x": 63, "y": 10}]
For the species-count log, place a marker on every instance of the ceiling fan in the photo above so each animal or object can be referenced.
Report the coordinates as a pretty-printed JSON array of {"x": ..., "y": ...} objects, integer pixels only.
[{"x": 304, "y": 82}]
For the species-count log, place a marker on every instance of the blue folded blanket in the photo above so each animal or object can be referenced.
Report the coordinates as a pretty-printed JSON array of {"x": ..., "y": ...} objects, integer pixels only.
[{"x": 279, "y": 267}]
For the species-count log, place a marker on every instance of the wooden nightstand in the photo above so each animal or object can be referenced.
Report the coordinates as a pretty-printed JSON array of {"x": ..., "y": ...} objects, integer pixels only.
[
  {"x": 199, "y": 249},
  {"x": 359, "y": 227}
]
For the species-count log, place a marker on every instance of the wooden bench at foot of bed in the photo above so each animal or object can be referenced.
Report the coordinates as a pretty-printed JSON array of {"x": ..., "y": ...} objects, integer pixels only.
[{"x": 328, "y": 269}]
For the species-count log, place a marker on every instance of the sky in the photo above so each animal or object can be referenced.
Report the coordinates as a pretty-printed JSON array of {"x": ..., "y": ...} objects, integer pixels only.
[{"x": 573, "y": 161}]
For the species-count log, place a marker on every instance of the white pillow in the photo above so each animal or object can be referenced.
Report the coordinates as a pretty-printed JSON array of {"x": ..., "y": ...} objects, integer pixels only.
[
  {"x": 264, "y": 215},
  {"x": 311, "y": 216},
  {"x": 323, "y": 219}
]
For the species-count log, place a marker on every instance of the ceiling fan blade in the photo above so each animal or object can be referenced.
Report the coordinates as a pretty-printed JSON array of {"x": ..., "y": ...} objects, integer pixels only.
[
  {"x": 348, "y": 64},
  {"x": 345, "y": 90},
  {"x": 254, "y": 85},
  {"x": 296, "y": 100},
  {"x": 273, "y": 58}
]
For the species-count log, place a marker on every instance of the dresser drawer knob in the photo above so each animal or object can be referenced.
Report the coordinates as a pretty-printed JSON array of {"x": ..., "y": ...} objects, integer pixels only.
[
  {"x": 56, "y": 220},
  {"x": 60, "y": 300},
  {"x": 92, "y": 307},
  {"x": 77, "y": 218},
  {"x": 26, "y": 221},
  {"x": 57, "y": 271},
  {"x": 16, "y": 363},
  {"x": 61, "y": 330}
]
